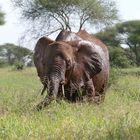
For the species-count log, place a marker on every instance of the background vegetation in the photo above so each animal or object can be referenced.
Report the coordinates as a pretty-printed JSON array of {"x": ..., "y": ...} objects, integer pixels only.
[
  {"x": 11, "y": 54},
  {"x": 40, "y": 15},
  {"x": 125, "y": 33},
  {"x": 65, "y": 14},
  {"x": 1, "y": 18}
]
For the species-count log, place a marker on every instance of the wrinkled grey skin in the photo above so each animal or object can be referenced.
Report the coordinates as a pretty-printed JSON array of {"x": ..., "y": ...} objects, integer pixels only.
[
  {"x": 51, "y": 67},
  {"x": 75, "y": 60}
]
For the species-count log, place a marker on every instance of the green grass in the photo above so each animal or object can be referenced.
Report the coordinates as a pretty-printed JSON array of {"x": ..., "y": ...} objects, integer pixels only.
[{"x": 118, "y": 118}]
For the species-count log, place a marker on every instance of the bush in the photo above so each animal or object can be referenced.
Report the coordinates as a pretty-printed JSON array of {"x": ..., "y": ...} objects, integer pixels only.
[
  {"x": 18, "y": 65},
  {"x": 118, "y": 57}
]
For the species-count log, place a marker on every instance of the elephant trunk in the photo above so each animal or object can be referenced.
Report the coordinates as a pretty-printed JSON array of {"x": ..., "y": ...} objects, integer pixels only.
[
  {"x": 53, "y": 87},
  {"x": 57, "y": 75}
]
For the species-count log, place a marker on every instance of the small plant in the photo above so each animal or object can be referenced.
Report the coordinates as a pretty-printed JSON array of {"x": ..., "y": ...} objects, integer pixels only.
[{"x": 18, "y": 65}]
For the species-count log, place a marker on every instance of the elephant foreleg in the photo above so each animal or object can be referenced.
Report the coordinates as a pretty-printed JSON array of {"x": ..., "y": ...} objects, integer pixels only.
[
  {"x": 44, "y": 103},
  {"x": 89, "y": 91}
]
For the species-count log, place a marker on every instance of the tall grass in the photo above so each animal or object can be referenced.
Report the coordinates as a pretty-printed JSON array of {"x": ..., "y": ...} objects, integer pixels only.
[{"x": 118, "y": 118}]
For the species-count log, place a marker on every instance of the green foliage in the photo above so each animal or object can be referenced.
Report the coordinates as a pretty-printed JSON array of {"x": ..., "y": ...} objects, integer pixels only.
[
  {"x": 18, "y": 65},
  {"x": 127, "y": 33},
  {"x": 2, "y": 18},
  {"x": 12, "y": 53},
  {"x": 118, "y": 118},
  {"x": 109, "y": 37},
  {"x": 118, "y": 57},
  {"x": 130, "y": 32},
  {"x": 129, "y": 26},
  {"x": 3, "y": 63},
  {"x": 66, "y": 13}
]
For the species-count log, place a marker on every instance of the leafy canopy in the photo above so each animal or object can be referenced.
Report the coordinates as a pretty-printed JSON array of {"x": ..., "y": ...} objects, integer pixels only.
[
  {"x": 130, "y": 35},
  {"x": 131, "y": 32},
  {"x": 127, "y": 33},
  {"x": 49, "y": 16},
  {"x": 11, "y": 53}
]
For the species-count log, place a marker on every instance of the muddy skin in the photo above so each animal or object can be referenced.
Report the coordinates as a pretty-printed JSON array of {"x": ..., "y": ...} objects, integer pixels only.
[{"x": 79, "y": 61}]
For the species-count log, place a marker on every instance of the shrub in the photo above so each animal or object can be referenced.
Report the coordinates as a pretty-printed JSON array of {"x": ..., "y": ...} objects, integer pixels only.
[
  {"x": 118, "y": 57},
  {"x": 18, "y": 65}
]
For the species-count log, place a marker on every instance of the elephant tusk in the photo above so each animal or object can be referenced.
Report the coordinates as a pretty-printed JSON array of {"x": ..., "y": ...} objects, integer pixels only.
[{"x": 63, "y": 91}]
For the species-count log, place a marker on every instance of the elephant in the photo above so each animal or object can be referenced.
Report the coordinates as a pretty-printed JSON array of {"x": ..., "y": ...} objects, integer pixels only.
[{"x": 74, "y": 66}]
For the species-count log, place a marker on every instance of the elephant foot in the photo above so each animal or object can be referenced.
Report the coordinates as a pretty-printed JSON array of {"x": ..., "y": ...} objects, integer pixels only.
[
  {"x": 94, "y": 99},
  {"x": 99, "y": 99},
  {"x": 43, "y": 104}
]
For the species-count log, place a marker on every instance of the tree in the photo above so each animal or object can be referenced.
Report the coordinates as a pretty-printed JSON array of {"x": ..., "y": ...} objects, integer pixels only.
[
  {"x": 109, "y": 36},
  {"x": 13, "y": 53},
  {"x": 129, "y": 34},
  {"x": 49, "y": 16},
  {"x": 118, "y": 57},
  {"x": 2, "y": 18},
  {"x": 126, "y": 33}
]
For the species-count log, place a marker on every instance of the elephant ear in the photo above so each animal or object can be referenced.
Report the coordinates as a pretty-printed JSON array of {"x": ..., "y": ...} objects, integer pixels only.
[
  {"x": 39, "y": 53},
  {"x": 88, "y": 56}
]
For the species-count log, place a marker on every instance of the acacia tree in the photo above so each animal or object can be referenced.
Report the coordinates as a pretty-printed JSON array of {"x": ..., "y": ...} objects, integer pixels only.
[
  {"x": 127, "y": 33},
  {"x": 12, "y": 53},
  {"x": 48, "y": 16},
  {"x": 109, "y": 36}
]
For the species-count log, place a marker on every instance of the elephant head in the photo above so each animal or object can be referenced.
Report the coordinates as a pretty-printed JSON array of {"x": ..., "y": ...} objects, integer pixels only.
[
  {"x": 52, "y": 60},
  {"x": 59, "y": 61}
]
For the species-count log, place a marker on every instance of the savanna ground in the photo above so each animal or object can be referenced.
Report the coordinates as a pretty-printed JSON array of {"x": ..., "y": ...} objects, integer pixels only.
[{"x": 118, "y": 118}]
